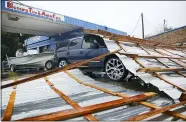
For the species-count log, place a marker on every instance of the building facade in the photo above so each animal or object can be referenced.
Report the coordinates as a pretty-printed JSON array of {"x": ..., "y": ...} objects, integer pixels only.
[{"x": 177, "y": 36}]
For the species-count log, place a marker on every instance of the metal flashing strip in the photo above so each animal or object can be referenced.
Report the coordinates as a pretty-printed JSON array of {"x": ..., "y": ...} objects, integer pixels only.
[{"x": 68, "y": 100}]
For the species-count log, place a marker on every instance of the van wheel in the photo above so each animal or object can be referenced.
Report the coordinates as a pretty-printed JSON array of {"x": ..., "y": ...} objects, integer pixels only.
[
  {"x": 115, "y": 69},
  {"x": 49, "y": 65},
  {"x": 62, "y": 63}
]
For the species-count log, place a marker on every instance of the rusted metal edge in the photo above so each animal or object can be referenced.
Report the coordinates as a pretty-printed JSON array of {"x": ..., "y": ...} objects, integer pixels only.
[
  {"x": 68, "y": 100},
  {"x": 172, "y": 113},
  {"x": 41, "y": 75},
  {"x": 156, "y": 111},
  {"x": 68, "y": 114}
]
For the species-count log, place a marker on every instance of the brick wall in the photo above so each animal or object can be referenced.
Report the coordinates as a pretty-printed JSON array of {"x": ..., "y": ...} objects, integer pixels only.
[{"x": 175, "y": 36}]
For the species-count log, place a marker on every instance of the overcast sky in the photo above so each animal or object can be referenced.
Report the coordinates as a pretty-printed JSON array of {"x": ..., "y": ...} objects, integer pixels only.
[{"x": 121, "y": 15}]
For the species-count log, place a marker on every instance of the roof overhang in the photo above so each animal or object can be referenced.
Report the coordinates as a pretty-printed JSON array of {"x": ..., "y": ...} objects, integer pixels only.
[{"x": 19, "y": 18}]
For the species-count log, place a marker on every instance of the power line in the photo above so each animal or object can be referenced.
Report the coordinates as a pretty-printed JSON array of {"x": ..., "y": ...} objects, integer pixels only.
[
  {"x": 136, "y": 25},
  {"x": 149, "y": 22}
]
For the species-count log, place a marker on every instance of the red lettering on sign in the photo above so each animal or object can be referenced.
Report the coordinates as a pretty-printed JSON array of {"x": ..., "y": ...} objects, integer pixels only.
[
  {"x": 30, "y": 10},
  {"x": 53, "y": 15},
  {"x": 39, "y": 13},
  {"x": 9, "y": 4},
  {"x": 23, "y": 9},
  {"x": 26, "y": 10},
  {"x": 43, "y": 13}
]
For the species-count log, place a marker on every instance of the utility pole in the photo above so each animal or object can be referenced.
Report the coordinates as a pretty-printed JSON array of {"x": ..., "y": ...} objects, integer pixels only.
[
  {"x": 142, "y": 25},
  {"x": 164, "y": 21}
]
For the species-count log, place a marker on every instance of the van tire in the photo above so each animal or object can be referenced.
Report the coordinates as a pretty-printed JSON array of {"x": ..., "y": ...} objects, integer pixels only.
[
  {"x": 115, "y": 69},
  {"x": 62, "y": 63}
]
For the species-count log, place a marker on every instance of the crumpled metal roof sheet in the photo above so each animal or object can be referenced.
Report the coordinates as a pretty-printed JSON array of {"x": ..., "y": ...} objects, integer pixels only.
[
  {"x": 132, "y": 66},
  {"x": 36, "y": 97}
]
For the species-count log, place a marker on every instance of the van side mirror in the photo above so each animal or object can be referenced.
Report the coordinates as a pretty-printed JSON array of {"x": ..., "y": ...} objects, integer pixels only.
[{"x": 94, "y": 46}]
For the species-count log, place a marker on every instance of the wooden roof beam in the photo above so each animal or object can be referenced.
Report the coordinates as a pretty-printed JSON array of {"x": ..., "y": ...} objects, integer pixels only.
[
  {"x": 67, "y": 114},
  {"x": 157, "y": 69}
]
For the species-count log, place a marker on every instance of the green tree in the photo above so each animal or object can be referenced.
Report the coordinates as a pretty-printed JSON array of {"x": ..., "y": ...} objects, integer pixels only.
[{"x": 10, "y": 43}]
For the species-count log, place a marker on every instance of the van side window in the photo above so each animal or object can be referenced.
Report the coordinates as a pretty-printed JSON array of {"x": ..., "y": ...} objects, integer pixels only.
[
  {"x": 75, "y": 44},
  {"x": 87, "y": 41},
  {"x": 62, "y": 45}
]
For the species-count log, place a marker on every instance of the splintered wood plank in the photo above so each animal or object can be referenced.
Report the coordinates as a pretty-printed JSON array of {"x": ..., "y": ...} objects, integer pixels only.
[
  {"x": 68, "y": 100},
  {"x": 157, "y": 69},
  {"x": 70, "y": 66},
  {"x": 67, "y": 114},
  {"x": 171, "y": 113},
  {"x": 156, "y": 111},
  {"x": 9, "y": 109}
]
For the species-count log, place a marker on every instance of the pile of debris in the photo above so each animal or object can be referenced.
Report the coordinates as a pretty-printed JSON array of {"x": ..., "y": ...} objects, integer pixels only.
[{"x": 157, "y": 64}]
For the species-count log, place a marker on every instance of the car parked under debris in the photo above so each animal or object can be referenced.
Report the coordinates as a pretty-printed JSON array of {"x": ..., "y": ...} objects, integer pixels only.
[{"x": 84, "y": 47}]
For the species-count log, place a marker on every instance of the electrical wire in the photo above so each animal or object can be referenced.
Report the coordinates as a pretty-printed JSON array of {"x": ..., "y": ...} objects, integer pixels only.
[
  {"x": 149, "y": 23},
  {"x": 136, "y": 25}
]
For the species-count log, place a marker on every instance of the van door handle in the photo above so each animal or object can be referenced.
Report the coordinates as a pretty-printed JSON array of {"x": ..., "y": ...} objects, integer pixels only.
[
  {"x": 81, "y": 52},
  {"x": 68, "y": 53}
]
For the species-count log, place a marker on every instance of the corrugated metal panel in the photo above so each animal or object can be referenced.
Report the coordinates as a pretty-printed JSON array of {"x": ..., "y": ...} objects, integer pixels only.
[
  {"x": 89, "y": 25},
  {"x": 36, "y": 97}
]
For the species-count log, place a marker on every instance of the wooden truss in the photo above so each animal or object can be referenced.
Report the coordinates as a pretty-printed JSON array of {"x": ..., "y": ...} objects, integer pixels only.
[{"x": 87, "y": 111}]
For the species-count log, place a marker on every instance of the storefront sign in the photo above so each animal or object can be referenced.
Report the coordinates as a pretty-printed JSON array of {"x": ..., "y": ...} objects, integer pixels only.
[{"x": 33, "y": 11}]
